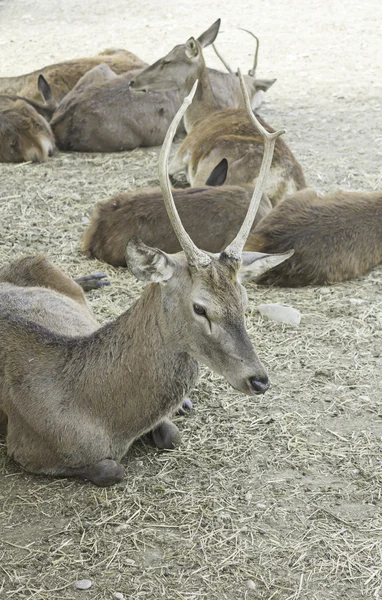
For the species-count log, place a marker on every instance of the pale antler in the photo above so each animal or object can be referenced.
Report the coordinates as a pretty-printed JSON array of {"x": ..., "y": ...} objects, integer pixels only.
[
  {"x": 222, "y": 59},
  {"x": 235, "y": 248},
  {"x": 195, "y": 256},
  {"x": 252, "y": 72}
]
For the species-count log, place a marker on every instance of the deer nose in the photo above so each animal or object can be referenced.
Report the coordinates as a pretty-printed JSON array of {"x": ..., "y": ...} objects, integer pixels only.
[
  {"x": 132, "y": 81},
  {"x": 259, "y": 386}
]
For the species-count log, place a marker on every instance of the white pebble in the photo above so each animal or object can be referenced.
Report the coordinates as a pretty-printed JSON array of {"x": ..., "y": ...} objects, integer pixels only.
[
  {"x": 119, "y": 596},
  {"x": 261, "y": 506},
  {"x": 324, "y": 291},
  {"x": 83, "y": 584},
  {"x": 281, "y": 313},
  {"x": 356, "y": 301},
  {"x": 251, "y": 585},
  {"x": 76, "y": 196}
]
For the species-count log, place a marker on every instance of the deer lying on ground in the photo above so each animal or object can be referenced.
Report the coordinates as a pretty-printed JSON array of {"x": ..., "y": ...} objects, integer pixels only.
[
  {"x": 24, "y": 134},
  {"x": 75, "y": 395},
  {"x": 210, "y": 215},
  {"x": 102, "y": 114},
  {"x": 335, "y": 237},
  {"x": 215, "y": 134},
  {"x": 63, "y": 76}
]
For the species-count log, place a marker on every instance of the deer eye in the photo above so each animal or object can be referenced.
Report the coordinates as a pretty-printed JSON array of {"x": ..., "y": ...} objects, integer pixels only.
[{"x": 200, "y": 310}]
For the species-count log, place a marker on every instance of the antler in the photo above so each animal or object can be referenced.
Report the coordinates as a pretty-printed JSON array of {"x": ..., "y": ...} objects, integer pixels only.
[
  {"x": 195, "y": 256},
  {"x": 252, "y": 72},
  {"x": 222, "y": 59},
  {"x": 235, "y": 248}
]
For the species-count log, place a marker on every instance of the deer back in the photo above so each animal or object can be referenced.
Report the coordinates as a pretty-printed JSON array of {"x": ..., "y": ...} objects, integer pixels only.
[
  {"x": 102, "y": 114},
  {"x": 335, "y": 237},
  {"x": 211, "y": 216},
  {"x": 63, "y": 76}
]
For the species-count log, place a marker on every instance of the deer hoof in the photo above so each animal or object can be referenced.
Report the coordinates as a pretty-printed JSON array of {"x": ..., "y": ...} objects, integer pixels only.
[
  {"x": 104, "y": 473},
  {"x": 166, "y": 435},
  {"x": 92, "y": 282},
  {"x": 186, "y": 406}
]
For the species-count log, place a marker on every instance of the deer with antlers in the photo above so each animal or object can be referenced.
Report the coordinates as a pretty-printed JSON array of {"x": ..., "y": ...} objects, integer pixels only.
[
  {"x": 74, "y": 395},
  {"x": 215, "y": 134}
]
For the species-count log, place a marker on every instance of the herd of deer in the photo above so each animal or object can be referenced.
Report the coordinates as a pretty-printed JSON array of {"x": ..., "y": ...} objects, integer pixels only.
[{"x": 74, "y": 395}]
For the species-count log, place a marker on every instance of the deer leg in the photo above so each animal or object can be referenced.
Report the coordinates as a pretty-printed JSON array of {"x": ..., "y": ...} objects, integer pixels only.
[
  {"x": 166, "y": 435},
  {"x": 104, "y": 473},
  {"x": 3, "y": 422},
  {"x": 92, "y": 282}
]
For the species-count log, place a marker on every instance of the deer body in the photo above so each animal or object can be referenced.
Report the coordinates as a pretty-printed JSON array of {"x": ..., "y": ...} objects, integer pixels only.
[
  {"x": 24, "y": 134},
  {"x": 335, "y": 237},
  {"x": 62, "y": 77},
  {"x": 211, "y": 215}
]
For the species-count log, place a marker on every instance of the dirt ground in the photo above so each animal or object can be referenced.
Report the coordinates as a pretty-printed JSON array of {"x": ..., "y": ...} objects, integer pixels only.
[{"x": 275, "y": 499}]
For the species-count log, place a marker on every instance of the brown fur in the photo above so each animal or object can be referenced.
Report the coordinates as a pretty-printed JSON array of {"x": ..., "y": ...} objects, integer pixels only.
[
  {"x": 24, "y": 134},
  {"x": 335, "y": 237},
  {"x": 75, "y": 395},
  {"x": 215, "y": 133},
  {"x": 231, "y": 134},
  {"x": 102, "y": 114},
  {"x": 211, "y": 216},
  {"x": 62, "y": 77}
]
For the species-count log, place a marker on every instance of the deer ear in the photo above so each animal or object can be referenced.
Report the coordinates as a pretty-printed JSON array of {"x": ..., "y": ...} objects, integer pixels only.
[
  {"x": 148, "y": 264},
  {"x": 191, "y": 48},
  {"x": 254, "y": 264},
  {"x": 263, "y": 84},
  {"x": 44, "y": 88},
  {"x": 218, "y": 174},
  {"x": 209, "y": 36}
]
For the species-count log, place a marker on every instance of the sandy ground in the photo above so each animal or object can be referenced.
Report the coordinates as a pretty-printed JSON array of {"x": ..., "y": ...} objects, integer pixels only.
[{"x": 278, "y": 499}]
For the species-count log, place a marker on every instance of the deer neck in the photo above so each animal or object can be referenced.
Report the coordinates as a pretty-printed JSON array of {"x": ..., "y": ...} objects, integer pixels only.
[
  {"x": 132, "y": 372},
  {"x": 204, "y": 102}
]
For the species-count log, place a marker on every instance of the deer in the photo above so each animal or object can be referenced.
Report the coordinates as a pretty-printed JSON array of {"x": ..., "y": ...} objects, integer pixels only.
[
  {"x": 335, "y": 237},
  {"x": 102, "y": 113},
  {"x": 211, "y": 216},
  {"x": 75, "y": 395},
  {"x": 214, "y": 134},
  {"x": 63, "y": 76},
  {"x": 24, "y": 134}
]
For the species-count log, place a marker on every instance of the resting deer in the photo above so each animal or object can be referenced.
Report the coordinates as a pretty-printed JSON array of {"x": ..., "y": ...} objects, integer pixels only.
[
  {"x": 64, "y": 76},
  {"x": 215, "y": 134},
  {"x": 102, "y": 114},
  {"x": 24, "y": 134},
  {"x": 210, "y": 215},
  {"x": 75, "y": 395},
  {"x": 335, "y": 237}
]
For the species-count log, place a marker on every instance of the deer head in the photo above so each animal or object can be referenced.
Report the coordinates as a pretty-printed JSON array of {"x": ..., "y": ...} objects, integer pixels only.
[
  {"x": 202, "y": 300},
  {"x": 178, "y": 67}
]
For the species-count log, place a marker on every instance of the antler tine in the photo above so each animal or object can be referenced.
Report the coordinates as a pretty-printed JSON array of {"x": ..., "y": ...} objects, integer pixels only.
[
  {"x": 222, "y": 59},
  {"x": 235, "y": 248},
  {"x": 195, "y": 256},
  {"x": 252, "y": 71}
]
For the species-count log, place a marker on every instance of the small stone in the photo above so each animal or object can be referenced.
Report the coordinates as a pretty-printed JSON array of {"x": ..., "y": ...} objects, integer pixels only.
[
  {"x": 356, "y": 301},
  {"x": 118, "y": 596},
  {"x": 324, "y": 291},
  {"x": 248, "y": 497},
  {"x": 251, "y": 585},
  {"x": 83, "y": 584},
  {"x": 76, "y": 196},
  {"x": 261, "y": 506},
  {"x": 281, "y": 313}
]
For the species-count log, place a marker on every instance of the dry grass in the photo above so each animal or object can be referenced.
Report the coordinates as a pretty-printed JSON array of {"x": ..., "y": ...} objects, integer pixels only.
[{"x": 276, "y": 499}]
